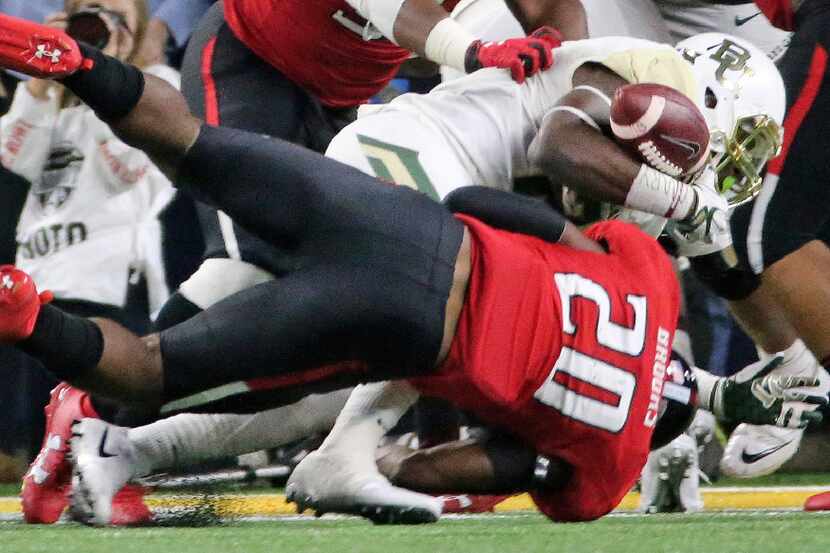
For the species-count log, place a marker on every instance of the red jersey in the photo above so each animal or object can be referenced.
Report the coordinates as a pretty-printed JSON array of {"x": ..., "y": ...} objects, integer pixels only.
[
  {"x": 779, "y": 12},
  {"x": 322, "y": 45},
  {"x": 567, "y": 350}
]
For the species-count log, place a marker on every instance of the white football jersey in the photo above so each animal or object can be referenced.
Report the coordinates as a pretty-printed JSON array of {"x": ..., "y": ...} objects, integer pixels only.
[
  {"x": 488, "y": 121},
  {"x": 91, "y": 212}
]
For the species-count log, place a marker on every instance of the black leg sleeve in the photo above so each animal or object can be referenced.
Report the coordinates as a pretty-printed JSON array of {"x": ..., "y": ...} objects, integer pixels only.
[{"x": 346, "y": 324}]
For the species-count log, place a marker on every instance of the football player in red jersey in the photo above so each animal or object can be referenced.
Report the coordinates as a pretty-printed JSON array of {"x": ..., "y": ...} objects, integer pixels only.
[{"x": 532, "y": 325}]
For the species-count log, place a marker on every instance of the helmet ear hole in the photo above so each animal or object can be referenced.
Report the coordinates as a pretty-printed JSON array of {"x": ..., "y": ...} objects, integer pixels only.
[{"x": 710, "y": 98}]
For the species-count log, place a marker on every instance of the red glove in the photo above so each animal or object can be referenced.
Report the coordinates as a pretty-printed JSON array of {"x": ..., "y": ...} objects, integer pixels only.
[
  {"x": 19, "y": 304},
  {"x": 38, "y": 50},
  {"x": 523, "y": 56}
]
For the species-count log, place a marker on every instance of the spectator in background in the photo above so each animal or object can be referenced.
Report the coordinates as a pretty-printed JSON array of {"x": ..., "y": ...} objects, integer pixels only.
[
  {"x": 169, "y": 30},
  {"x": 87, "y": 225}
]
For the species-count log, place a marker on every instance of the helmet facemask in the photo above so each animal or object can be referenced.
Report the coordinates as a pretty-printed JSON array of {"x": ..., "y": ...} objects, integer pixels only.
[{"x": 740, "y": 165}]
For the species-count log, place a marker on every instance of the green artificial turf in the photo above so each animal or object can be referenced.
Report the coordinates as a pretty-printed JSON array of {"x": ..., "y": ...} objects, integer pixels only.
[{"x": 709, "y": 533}]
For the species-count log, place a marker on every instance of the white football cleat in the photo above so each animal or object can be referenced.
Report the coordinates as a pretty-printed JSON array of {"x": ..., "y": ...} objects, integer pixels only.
[
  {"x": 102, "y": 464},
  {"x": 670, "y": 481},
  {"x": 758, "y": 450},
  {"x": 329, "y": 483}
]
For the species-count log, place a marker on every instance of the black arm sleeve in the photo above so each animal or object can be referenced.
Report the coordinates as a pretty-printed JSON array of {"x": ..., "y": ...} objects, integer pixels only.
[
  {"x": 13, "y": 192},
  {"x": 508, "y": 211}
]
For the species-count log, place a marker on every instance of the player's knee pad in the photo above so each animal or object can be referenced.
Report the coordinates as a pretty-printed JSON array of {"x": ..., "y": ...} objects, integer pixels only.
[{"x": 732, "y": 282}]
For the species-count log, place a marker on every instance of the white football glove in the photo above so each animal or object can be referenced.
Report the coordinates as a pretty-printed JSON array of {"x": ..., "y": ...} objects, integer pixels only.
[{"x": 707, "y": 231}]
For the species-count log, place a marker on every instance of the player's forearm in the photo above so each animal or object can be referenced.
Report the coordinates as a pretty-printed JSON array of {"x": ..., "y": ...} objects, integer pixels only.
[
  {"x": 576, "y": 155},
  {"x": 567, "y": 16},
  {"x": 415, "y": 21},
  {"x": 517, "y": 213},
  {"x": 468, "y": 466}
]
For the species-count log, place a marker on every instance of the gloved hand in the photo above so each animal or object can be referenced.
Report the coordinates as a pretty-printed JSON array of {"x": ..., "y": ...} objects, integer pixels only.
[
  {"x": 755, "y": 396},
  {"x": 707, "y": 230},
  {"x": 523, "y": 56}
]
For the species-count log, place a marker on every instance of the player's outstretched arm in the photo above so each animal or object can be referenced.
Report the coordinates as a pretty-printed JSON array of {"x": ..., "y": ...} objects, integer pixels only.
[
  {"x": 425, "y": 27},
  {"x": 574, "y": 148},
  {"x": 490, "y": 465},
  {"x": 516, "y": 213}
]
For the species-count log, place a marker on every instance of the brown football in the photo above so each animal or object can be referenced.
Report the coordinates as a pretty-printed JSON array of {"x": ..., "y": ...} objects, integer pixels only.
[{"x": 662, "y": 126}]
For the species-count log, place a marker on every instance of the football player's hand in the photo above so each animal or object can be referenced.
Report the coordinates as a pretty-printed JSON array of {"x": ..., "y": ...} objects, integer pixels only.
[
  {"x": 707, "y": 230},
  {"x": 755, "y": 396},
  {"x": 523, "y": 56}
]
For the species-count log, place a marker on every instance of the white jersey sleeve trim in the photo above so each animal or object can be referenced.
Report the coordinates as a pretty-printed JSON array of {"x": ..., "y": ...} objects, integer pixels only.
[
  {"x": 588, "y": 88},
  {"x": 587, "y": 119}
]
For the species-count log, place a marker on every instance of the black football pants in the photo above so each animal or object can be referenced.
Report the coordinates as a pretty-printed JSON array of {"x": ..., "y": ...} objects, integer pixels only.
[{"x": 372, "y": 270}]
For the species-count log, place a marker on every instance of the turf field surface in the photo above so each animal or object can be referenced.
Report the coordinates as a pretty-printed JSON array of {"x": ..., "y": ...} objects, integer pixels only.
[{"x": 743, "y": 532}]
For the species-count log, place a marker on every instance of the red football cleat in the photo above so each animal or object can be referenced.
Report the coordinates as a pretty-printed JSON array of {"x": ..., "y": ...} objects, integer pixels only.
[
  {"x": 818, "y": 502},
  {"x": 471, "y": 503},
  {"x": 19, "y": 304},
  {"x": 37, "y": 50},
  {"x": 128, "y": 508},
  {"x": 46, "y": 484}
]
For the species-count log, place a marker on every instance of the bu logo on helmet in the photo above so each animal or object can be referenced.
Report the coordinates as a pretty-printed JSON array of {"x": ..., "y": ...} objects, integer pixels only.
[{"x": 732, "y": 57}]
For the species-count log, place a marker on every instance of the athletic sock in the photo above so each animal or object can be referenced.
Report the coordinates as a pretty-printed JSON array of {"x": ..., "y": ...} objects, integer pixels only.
[
  {"x": 180, "y": 441},
  {"x": 110, "y": 87},
  {"x": 800, "y": 359},
  {"x": 189, "y": 439},
  {"x": 67, "y": 345}
]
